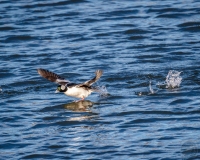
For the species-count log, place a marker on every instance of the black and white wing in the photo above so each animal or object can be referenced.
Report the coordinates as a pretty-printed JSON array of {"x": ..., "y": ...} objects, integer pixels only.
[
  {"x": 88, "y": 83},
  {"x": 52, "y": 76}
]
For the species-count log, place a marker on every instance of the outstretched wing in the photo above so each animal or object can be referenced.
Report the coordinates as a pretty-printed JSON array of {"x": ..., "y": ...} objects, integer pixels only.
[
  {"x": 52, "y": 76},
  {"x": 88, "y": 83}
]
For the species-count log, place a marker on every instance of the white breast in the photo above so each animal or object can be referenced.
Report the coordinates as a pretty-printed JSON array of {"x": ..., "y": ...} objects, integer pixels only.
[{"x": 78, "y": 92}]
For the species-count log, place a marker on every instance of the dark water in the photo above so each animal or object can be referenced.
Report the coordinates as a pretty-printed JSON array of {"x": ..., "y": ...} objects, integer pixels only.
[{"x": 133, "y": 42}]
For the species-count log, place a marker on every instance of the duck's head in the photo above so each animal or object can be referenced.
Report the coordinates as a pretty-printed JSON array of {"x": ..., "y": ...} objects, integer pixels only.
[{"x": 61, "y": 88}]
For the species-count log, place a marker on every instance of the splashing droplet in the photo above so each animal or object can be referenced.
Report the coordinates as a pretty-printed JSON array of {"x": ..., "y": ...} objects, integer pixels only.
[
  {"x": 173, "y": 80},
  {"x": 150, "y": 91},
  {"x": 150, "y": 88},
  {"x": 103, "y": 91}
]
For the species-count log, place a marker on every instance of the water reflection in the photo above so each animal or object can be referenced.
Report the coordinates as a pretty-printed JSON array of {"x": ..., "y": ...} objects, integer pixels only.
[{"x": 81, "y": 106}]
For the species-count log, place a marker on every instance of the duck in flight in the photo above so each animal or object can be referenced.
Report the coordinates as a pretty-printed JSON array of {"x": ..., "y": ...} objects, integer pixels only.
[{"x": 81, "y": 90}]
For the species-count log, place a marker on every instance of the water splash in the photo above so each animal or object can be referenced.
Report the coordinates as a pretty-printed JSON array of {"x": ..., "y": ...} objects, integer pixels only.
[
  {"x": 173, "y": 80},
  {"x": 149, "y": 92},
  {"x": 103, "y": 92}
]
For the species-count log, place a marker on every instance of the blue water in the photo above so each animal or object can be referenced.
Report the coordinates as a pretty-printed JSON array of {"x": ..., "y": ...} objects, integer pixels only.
[{"x": 133, "y": 42}]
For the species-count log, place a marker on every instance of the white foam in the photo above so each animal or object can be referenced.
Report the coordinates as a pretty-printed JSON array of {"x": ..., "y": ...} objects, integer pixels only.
[
  {"x": 103, "y": 92},
  {"x": 151, "y": 91},
  {"x": 173, "y": 80}
]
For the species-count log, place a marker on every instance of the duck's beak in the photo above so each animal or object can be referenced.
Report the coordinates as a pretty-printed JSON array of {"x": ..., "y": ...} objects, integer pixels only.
[{"x": 57, "y": 91}]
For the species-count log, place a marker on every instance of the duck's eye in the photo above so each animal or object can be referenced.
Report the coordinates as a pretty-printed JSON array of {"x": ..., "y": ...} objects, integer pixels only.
[{"x": 58, "y": 88}]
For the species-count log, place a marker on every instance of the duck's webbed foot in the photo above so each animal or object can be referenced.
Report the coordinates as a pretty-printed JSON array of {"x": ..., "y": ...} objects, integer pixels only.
[{"x": 82, "y": 99}]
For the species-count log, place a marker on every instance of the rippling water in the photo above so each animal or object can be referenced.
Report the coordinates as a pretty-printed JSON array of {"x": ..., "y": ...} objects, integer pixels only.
[{"x": 134, "y": 42}]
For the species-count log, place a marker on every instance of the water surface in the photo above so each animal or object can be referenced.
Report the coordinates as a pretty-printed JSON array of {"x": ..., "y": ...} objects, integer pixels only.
[{"x": 133, "y": 42}]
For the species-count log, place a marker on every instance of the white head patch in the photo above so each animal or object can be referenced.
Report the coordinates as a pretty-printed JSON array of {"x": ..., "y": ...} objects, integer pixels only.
[{"x": 62, "y": 87}]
